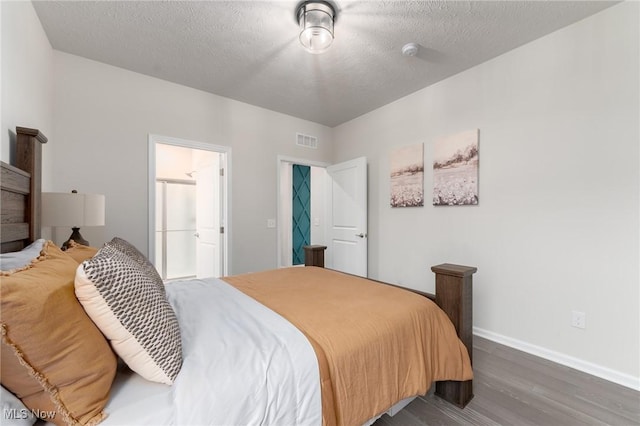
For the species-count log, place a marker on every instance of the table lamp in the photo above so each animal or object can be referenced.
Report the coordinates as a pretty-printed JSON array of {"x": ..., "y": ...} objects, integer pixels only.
[{"x": 72, "y": 210}]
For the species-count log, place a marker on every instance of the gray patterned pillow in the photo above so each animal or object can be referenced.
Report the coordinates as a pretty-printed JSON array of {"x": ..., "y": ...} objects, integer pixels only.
[
  {"x": 132, "y": 312},
  {"x": 130, "y": 250}
]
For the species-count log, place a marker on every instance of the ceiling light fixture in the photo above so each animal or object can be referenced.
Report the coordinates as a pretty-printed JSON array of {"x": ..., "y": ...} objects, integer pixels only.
[{"x": 316, "y": 25}]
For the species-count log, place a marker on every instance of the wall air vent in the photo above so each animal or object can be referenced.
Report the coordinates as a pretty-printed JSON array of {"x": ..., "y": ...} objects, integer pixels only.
[{"x": 306, "y": 141}]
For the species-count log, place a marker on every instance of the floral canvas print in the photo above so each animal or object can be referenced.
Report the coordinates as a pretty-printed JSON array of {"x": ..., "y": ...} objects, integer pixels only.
[
  {"x": 407, "y": 176},
  {"x": 455, "y": 169}
]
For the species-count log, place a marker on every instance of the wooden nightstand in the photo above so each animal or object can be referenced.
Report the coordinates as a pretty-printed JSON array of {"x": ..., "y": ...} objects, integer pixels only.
[{"x": 314, "y": 255}]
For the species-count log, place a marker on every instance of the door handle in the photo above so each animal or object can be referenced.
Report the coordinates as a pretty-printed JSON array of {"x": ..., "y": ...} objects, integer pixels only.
[
  {"x": 197, "y": 235},
  {"x": 361, "y": 235}
]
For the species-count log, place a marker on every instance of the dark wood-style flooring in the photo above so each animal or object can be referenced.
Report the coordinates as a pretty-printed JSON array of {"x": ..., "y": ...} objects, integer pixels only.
[{"x": 515, "y": 388}]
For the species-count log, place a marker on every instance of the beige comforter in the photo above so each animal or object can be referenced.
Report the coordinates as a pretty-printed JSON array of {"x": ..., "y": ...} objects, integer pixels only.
[{"x": 376, "y": 344}]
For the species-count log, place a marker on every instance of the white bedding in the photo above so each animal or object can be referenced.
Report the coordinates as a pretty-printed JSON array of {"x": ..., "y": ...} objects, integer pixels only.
[{"x": 243, "y": 365}]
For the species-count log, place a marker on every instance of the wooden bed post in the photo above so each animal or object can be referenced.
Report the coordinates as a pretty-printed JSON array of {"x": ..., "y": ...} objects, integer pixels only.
[
  {"x": 454, "y": 296},
  {"x": 29, "y": 158},
  {"x": 21, "y": 192}
]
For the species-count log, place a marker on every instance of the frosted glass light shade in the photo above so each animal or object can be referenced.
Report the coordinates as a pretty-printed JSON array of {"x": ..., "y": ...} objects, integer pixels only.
[
  {"x": 72, "y": 210},
  {"x": 316, "y": 25}
]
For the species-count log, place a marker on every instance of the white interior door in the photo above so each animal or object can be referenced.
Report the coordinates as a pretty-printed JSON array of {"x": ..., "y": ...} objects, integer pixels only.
[
  {"x": 347, "y": 217},
  {"x": 208, "y": 238}
]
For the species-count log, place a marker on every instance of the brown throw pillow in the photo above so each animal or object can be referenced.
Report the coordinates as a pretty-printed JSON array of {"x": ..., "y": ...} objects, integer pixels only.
[
  {"x": 80, "y": 252},
  {"x": 53, "y": 357}
]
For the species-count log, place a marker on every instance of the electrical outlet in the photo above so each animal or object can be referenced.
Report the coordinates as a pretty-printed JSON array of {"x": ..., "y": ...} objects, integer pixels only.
[
  {"x": 578, "y": 319},
  {"x": 271, "y": 223}
]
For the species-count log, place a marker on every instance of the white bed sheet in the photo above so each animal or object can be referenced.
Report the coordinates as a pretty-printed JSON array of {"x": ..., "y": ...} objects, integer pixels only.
[{"x": 243, "y": 365}]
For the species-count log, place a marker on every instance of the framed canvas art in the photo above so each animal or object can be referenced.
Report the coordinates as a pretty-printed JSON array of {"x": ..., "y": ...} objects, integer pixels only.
[
  {"x": 407, "y": 176},
  {"x": 455, "y": 169}
]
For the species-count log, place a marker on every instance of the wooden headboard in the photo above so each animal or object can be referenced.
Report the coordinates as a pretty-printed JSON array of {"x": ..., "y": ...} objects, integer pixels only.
[{"x": 21, "y": 187}]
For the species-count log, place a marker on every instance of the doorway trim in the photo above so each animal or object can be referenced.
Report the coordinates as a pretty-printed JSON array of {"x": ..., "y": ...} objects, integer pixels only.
[
  {"x": 283, "y": 159},
  {"x": 151, "y": 191}
]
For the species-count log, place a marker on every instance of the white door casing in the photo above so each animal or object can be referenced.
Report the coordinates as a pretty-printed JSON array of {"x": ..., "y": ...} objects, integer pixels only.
[{"x": 347, "y": 217}]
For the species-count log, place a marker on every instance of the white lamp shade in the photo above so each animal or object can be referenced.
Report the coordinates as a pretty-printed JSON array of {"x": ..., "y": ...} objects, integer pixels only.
[{"x": 72, "y": 210}]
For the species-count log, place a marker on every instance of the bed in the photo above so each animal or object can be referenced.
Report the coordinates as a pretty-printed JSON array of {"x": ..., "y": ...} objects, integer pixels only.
[{"x": 290, "y": 346}]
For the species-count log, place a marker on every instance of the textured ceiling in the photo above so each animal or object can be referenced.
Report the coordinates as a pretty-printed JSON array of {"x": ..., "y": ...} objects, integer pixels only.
[{"x": 249, "y": 51}]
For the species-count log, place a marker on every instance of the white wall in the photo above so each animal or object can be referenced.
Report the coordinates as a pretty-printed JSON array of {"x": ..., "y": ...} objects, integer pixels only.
[
  {"x": 173, "y": 162},
  {"x": 103, "y": 116},
  {"x": 557, "y": 224},
  {"x": 27, "y": 80}
]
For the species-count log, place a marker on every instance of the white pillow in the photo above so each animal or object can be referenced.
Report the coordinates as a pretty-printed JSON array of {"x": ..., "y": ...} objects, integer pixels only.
[
  {"x": 14, "y": 412},
  {"x": 22, "y": 258},
  {"x": 132, "y": 312}
]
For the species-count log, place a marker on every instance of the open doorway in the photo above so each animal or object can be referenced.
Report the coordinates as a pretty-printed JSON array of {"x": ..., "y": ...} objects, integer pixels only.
[
  {"x": 338, "y": 212},
  {"x": 188, "y": 199},
  {"x": 301, "y": 208}
]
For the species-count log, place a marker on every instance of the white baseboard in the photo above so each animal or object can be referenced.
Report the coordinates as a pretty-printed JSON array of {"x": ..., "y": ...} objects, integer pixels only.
[{"x": 614, "y": 376}]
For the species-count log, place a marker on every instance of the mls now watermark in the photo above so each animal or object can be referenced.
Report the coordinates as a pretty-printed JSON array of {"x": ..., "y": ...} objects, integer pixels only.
[{"x": 23, "y": 413}]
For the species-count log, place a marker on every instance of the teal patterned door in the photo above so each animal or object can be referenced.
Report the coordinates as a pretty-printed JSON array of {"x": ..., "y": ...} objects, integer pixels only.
[{"x": 301, "y": 204}]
